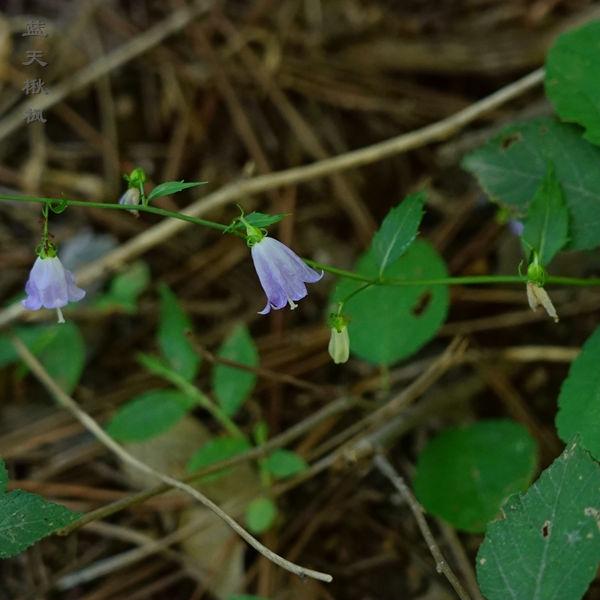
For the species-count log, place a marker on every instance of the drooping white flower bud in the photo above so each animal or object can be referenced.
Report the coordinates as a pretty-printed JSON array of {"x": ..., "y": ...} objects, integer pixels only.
[{"x": 538, "y": 296}]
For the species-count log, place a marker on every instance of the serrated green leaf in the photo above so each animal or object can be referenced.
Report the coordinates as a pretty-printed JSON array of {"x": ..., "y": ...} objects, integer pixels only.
[
  {"x": 126, "y": 287},
  {"x": 284, "y": 463},
  {"x": 172, "y": 336},
  {"x": 148, "y": 415},
  {"x": 26, "y": 518},
  {"x": 578, "y": 402},
  {"x": 260, "y": 515},
  {"x": 547, "y": 546},
  {"x": 214, "y": 451},
  {"x": 547, "y": 224},
  {"x": 571, "y": 79},
  {"x": 171, "y": 187},
  {"x": 389, "y": 323},
  {"x": 465, "y": 474},
  {"x": 232, "y": 386},
  {"x": 3, "y": 477},
  {"x": 511, "y": 166},
  {"x": 398, "y": 230}
]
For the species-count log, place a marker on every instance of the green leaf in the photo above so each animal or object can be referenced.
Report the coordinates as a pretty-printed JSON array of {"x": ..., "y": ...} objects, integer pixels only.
[
  {"x": 511, "y": 166},
  {"x": 171, "y": 187},
  {"x": 245, "y": 597},
  {"x": 59, "y": 347},
  {"x": 572, "y": 83},
  {"x": 64, "y": 356},
  {"x": 260, "y": 515},
  {"x": 232, "y": 386},
  {"x": 126, "y": 287},
  {"x": 465, "y": 474},
  {"x": 546, "y": 227},
  {"x": 148, "y": 415},
  {"x": 548, "y": 543},
  {"x": 261, "y": 220},
  {"x": 26, "y": 518},
  {"x": 172, "y": 339},
  {"x": 214, "y": 451},
  {"x": 578, "y": 402},
  {"x": 284, "y": 463},
  {"x": 3, "y": 477},
  {"x": 398, "y": 230},
  {"x": 389, "y": 323}
]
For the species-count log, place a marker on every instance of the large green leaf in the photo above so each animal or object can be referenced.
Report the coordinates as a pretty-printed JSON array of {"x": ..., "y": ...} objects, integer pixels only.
[
  {"x": 398, "y": 230},
  {"x": 465, "y": 474},
  {"x": 579, "y": 400},
  {"x": 172, "y": 336},
  {"x": 232, "y": 385},
  {"x": 547, "y": 223},
  {"x": 547, "y": 546},
  {"x": 572, "y": 82},
  {"x": 26, "y": 518},
  {"x": 389, "y": 323},
  {"x": 511, "y": 166},
  {"x": 148, "y": 415}
]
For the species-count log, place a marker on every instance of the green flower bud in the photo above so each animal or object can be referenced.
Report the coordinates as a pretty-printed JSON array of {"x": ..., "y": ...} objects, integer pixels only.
[
  {"x": 536, "y": 273},
  {"x": 136, "y": 178}
]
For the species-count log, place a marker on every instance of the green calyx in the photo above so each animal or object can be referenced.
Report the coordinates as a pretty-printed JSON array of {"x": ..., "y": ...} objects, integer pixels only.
[
  {"x": 535, "y": 272},
  {"x": 338, "y": 321},
  {"x": 136, "y": 178},
  {"x": 46, "y": 250},
  {"x": 253, "y": 234}
]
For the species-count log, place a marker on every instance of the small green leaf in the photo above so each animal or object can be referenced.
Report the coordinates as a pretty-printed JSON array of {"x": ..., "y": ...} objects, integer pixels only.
[
  {"x": 398, "y": 230},
  {"x": 578, "y": 402},
  {"x": 126, "y": 287},
  {"x": 547, "y": 223},
  {"x": 148, "y": 415},
  {"x": 548, "y": 543},
  {"x": 511, "y": 166},
  {"x": 260, "y": 515},
  {"x": 389, "y": 323},
  {"x": 171, "y": 187},
  {"x": 260, "y": 220},
  {"x": 572, "y": 83},
  {"x": 172, "y": 339},
  {"x": 231, "y": 385},
  {"x": 465, "y": 474},
  {"x": 245, "y": 597},
  {"x": 26, "y": 518},
  {"x": 284, "y": 463},
  {"x": 214, "y": 451}
]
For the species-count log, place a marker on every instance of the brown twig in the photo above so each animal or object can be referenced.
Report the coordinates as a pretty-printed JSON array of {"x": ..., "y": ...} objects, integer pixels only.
[
  {"x": 92, "y": 426},
  {"x": 441, "y": 566}
]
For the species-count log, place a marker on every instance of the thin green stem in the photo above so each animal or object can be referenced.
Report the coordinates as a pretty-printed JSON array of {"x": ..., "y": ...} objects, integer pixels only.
[
  {"x": 114, "y": 206},
  {"x": 466, "y": 280}
]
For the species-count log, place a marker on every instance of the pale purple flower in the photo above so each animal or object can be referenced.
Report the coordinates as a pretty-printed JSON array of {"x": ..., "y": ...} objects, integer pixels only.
[
  {"x": 50, "y": 285},
  {"x": 131, "y": 198},
  {"x": 282, "y": 273}
]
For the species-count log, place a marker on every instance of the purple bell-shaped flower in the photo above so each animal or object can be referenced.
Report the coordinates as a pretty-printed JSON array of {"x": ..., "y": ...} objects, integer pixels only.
[
  {"x": 282, "y": 273},
  {"x": 50, "y": 285}
]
